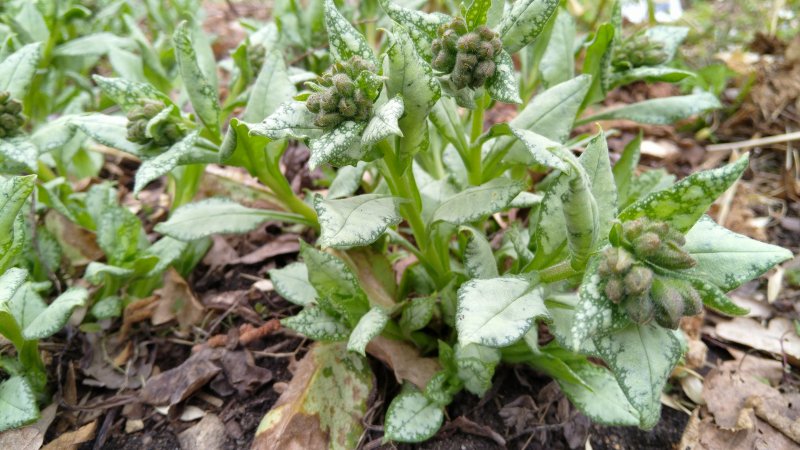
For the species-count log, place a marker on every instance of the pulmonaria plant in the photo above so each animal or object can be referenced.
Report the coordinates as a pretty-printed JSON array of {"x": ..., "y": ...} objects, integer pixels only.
[{"x": 11, "y": 118}]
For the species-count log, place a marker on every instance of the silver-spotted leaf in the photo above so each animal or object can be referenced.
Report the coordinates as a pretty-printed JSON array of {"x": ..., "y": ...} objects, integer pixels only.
[
  {"x": 17, "y": 70},
  {"x": 660, "y": 111},
  {"x": 523, "y": 22},
  {"x": 291, "y": 120},
  {"x": 384, "y": 123},
  {"x": 479, "y": 260},
  {"x": 271, "y": 89},
  {"x": 345, "y": 40},
  {"x": 52, "y": 319},
  {"x": 476, "y": 364},
  {"x": 412, "y": 417},
  {"x": 478, "y": 201},
  {"x": 291, "y": 282},
  {"x": 503, "y": 86},
  {"x": 316, "y": 324},
  {"x": 202, "y": 92},
  {"x": 17, "y": 403},
  {"x": 355, "y": 221},
  {"x": 339, "y": 146},
  {"x": 370, "y": 325},
  {"x": 421, "y": 26}
]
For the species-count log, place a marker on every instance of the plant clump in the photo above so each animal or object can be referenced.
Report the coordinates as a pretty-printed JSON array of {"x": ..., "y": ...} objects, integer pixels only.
[
  {"x": 468, "y": 56},
  {"x": 631, "y": 282},
  {"x": 638, "y": 50},
  {"x": 147, "y": 124},
  {"x": 11, "y": 118},
  {"x": 339, "y": 96}
]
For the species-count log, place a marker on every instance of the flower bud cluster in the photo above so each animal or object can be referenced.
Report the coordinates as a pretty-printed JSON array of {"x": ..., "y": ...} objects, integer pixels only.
[
  {"x": 11, "y": 118},
  {"x": 163, "y": 134},
  {"x": 338, "y": 97},
  {"x": 637, "y": 51},
  {"x": 468, "y": 56},
  {"x": 631, "y": 282},
  {"x": 255, "y": 55}
]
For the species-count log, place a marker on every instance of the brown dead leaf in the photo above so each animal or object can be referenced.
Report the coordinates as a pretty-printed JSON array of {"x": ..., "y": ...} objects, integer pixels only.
[
  {"x": 463, "y": 424},
  {"x": 220, "y": 254},
  {"x": 208, "y": 434},
  {"x": 375, "y": 274},
  {"x": 177, "y": 384},
  {"x": 242, "y": 373},
  {"x": 282, "y": 245},
  {"x": 177, "y": 301},
  {"x": 30, "y": 437},
  {"x": 703, "y": 434},
  {"x": 778, "y": 338},
  {"x": 77, "y": 244},
  {"x": 71, "y": 440},
  {"x": 404, "y": 360},
  {"x": 96, "y": 364}
]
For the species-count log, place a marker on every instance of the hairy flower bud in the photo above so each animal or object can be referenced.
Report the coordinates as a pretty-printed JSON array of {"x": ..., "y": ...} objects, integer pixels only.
[
  {"x": 614, "y": 290},
  {"x": 339, "y": 98},
  {"x": 11, "y": 118},
  {"x": 639, "y": 50},
  {"x": 467, "y": 56},
  {"x": 639, "y": 308},
  {"x": 162, "y": 134},
  {"x": 657, "y": 243},
  {"x": 638, "y": 280},
  {"x": 674, "y": 299},
  {"x": 616, "y": 261}
]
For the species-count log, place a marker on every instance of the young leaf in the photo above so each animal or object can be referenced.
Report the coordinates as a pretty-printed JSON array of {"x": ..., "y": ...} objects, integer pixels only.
[
  {"x": 597, "y": 163},
  {"x": 476, "y": 364},
  {"x": 479, "y": 260},
  {"x": 523, "y": 22},
  {"x": 603, "y": 401},
  {"x": 370, "y": 325},
  {"x": 475, "y": 202},
  {"x": 598, "y": 63},
  {"x": 345, "y": 40},
  {"x": 355, "y": 221},
  {"x": 625, "y": 169},
  {"x": 17, "y": 403},
  {"x": 218, "y": 216},
  {"x": 660, "y": 111},
  {"x": 167, "y": 250},
  {"x": 180, "y": 153},
  {"x": 594, "y": 313},
  {"x": 18, "y": 154},
  {"x": 271, "y": 89},
  {"x": 314, "y": 323},
  {"x": 685, "y": 202},
  {"x": 17, "y": 70},
  {"x": 340, "y": 146},
  {"x": 336, "y": 285},
  {"x": 107, "y": 130},
  {"x": 477, "y": 13},
  {"x": 14, "y": 192},
  {"x": 291, "y": 282},
  {"x": 556, "y": 66},
  {"x": 668, "y": 36},
  {"x": 56, "y": 315},
  {"x": 498, "y": 311},
  {"x": 650, "y": 75},
  {"x": 727, "y": 259},
  {"x": 201, "y": 92},
  {"x": 412, "y": 417},
  {"x": 347, "y": 181},
  {"x": 118, "y": 230},
  {"x": 291, "y": 120},
  {"x": 421, "y": 26},
  {"x": 417, "y": 313},
  {"x": 384, "y": 123},
  {"x": 539, "y": 150},
  {"x": 96, "y": 272},
  {"x": 503, "y": 85}
]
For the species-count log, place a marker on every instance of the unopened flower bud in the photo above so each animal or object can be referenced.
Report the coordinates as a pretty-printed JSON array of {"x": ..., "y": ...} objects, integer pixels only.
[
  {"x": 328, "y": 120},
  {"x": 347, "y": 107},
  {"x": 343, "y": 84},
  {"x": 614, "y": 290},
  {"x": 468, "y": 43},
  {"x": 638, "y": 280},
  {"x": 640, "y": 309},
  {"x": 647, "y": 244}
]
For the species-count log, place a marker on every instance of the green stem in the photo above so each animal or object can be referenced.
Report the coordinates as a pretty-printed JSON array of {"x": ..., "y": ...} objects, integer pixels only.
[
  {"x": 186, "y": 181},
  {"x": 474, "y": 163},
  {"x": 559, "y": 272}
]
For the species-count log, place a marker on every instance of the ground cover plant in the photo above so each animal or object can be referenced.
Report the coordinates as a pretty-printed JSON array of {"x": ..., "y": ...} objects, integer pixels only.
[{"x": 522, "y": 242}]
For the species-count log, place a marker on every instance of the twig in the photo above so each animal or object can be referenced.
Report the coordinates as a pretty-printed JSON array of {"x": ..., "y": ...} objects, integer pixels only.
[{"x": 788, "y": 137}]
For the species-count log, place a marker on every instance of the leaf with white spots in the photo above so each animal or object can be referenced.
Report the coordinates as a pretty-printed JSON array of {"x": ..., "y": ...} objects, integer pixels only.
[
  {"x": 660, "y": 111},
  {"x": 670, "y": 37},
  {"x": 370, "y": 83},
  {"x": 347, "y": 181},
  {"x": 597, "y": 162},
  {"x": 180, "y": 153},
  {"x": 316, "y": 324},
  {"x": 291, "y": 120},
  {"x": 291, "y": 282},
  {"x": 473, "y": 203},
  {"x": 338, "y": 289},
  {"x": 345, "y": 40},
  {"x": 417, "y": 313},
  {"x": 539, "y": 150},
  {"x": 53, "y": 135},
  {"x": 476, "y": 364},
  {"x": 499, "y": 311},
  {"x": 641, "y": 357},
  {"x": 128, "y": 94},
  {"x": 555, "y": 66},
  {"x": 17, "y": 403},
  {"x": 503, "y": 85},
  {"x": 14, "y": 192},
  {"x": 18, "y": 69},
  {"x": 271, "y": 89},
  {"x": 603, "y": 401},
  {"x": 370, "y": 325},
  {"x": 340, "y": 146},
  {"x": 202, "y": 93},
  {"x": 55, "y": 316},
  {"x": 728, "y": 259},
  {"x": 682, "y": 204},
  {"x": 421, "y": 26},
  {"x": 18, "y": 154},
  {"x": 479, "y": 260},
  {"x": 384, "y": 122},
  {"x": 218, "y": 216},
  {"x": 523, "y": 22},
  {"x": 111, "y": 131},
  {"x": 714, "y": 298},
  {"x": 355, "y": 221},
  {"x": 412, "y": 417}
]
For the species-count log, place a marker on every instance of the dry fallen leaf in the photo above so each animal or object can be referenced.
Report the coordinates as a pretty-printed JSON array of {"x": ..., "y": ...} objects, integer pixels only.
[
  {"x": 778, "y": 338},
  {"x": 30, "y": 437},
  {"x": 175, "y": 385},
  {"x": 282, "y": 245},
  {"x": 177, "y": 301},
  {"x": 404, "y": 360},
  {"x": 71, "y": 440}
]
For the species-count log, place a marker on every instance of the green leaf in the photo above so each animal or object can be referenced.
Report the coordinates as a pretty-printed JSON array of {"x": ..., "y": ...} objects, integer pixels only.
[
  {"x": 18, "y": 69},
  {"x": 503, "y": 85},
  {"x": 473, "y": 203},
  {"x": 411, "y": 417},
  {"x": 370, "y": 325},
  {"x": 523, "y": 22},
  {"x": 685, "y": 202},
  {"x": 384, "y": 123},
  {"x": 181, "y": 153},
  {"x": 345, "y": 40},
  {"x": 625, "y": 169},
  {"x": 53, "y": 135},
  {"x": 93, "y": 45},
  {"x": 336, "y": 285},
  {"x": 421, "y": 26},
  {"x": 119, "y": 231},
  {"x": 316, "y": 324},
  {"x": 107, "y": 308},
  {"x": 355, "y": 221},
  {"x": 479, "y": 260},
  {"x": 669, "y": 36},
  {"x": 201, "y": 92},
  {"x": 96, "y": 272},
  {"x": 14, "y": 192},
  {"x": 498, "y": 311},
  {"x": 271, "y": 88},
  {"x": 17, "y": 403},
  {"x": 477, "y": 13},
  {"x": 167, "y": 250},
  {"x": 651, "y": 75},
  {"x": 417, "y": 313},
  {"x": 445, "y": 118},
  {"x": 18, "y": 154},
  {"x": 714, "y": 298},
  {"x": 558, "y": 65},
  {"x": 340, "y": 146},
  {"x": 218, "y": 216},
  {"x": 476, "y": 364},
  {"x": 641, "y": 358},
  {"x": 56, "y": 315},
  {"x": 291, "y": 120},
  {"x": 539, "y": 150},
  {"x": 347, "y": 181},
  {"x": 596, "y": 161},
  {"x": 111, "y": 131},
  {"x": 603, "y": 401},
  {"x": 594, "y": 313},
  {"x": 291, "y": 282},
  {"x": 660, "y": 111},
  {"x": 728, "y": 259},
  {"x": 25, "y": 306},
  {"x": 598, "y": 63}
]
